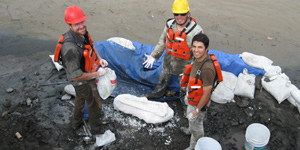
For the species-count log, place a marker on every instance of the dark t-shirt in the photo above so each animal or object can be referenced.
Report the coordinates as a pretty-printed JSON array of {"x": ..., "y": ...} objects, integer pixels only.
[{"x": 208, "y": 71}]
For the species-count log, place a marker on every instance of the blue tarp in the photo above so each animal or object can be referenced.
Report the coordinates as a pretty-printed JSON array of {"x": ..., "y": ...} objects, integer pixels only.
[
  {"x": 234, "y": 64},
  {"x": 133, "y": 79}
]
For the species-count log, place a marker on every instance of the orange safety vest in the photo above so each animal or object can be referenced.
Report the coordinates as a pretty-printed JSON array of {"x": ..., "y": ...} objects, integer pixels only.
[
  {"x": 176, "y": 42},
  {"x": 195, "y": 89},
  {"x": 91, "y": 60},
  {"x": 186, "y": 76}
]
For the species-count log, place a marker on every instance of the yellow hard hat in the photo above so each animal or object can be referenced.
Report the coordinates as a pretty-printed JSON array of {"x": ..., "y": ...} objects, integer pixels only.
[{"x": 180, "y": 7}]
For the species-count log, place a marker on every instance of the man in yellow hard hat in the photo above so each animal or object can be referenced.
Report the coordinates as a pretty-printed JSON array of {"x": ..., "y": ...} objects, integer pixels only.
[
  {"x": 81, "y": 60},
  {"x": 176, "y": 38}
]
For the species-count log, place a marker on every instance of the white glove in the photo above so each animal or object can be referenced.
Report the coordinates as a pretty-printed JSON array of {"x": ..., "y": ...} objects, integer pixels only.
[
  {"x": 149, "y": 62},
  {"x": 191, "y": 117},
  {"x": 103, "y": 62},
  {"x": 101, "y": 71}
]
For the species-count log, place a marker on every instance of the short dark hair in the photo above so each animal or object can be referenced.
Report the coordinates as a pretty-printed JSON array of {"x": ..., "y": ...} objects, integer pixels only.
[{"x": 201, "y": 37}]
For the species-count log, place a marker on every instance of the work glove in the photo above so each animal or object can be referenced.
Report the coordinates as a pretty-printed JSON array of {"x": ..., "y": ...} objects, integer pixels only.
[
  {"x": 149, "y": 61},
  {"x": 101, "y": 71},
  {"x": 103, "y": 62},
  {"x": 192, "y": 117}
]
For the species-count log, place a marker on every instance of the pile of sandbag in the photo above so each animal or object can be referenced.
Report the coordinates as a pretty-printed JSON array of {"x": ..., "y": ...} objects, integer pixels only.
[
  {"x": 243, "y": 85},
  {"x": 274, "y": 81}
]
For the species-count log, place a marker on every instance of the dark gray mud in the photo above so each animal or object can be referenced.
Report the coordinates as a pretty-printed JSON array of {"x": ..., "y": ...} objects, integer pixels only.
[{"x": 34, "y": 109}]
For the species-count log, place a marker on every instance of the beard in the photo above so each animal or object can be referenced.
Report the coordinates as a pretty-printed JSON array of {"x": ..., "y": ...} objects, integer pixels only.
[{"x": 81, "y": 32}]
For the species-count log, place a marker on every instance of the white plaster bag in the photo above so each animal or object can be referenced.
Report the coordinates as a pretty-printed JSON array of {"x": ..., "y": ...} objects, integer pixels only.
[
  {"x": 278, "y": 87},
  {"x": 245, "y": 85},
  {"x": 223, "y": 93},
  {"x": 141, "y": 107},
  {"x": 256, "y": 61}
]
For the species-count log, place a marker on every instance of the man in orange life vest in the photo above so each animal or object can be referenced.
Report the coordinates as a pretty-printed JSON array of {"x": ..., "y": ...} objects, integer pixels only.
[
  {"x": 200, "y": 84},
  {"x": 176, "y": 39},
  {"x": 81, "y": 61}
]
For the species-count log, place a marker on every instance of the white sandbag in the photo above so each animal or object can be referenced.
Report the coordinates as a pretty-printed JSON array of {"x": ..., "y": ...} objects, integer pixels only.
[
  {"x": 229, "y": 80},
  {"x": 223, "y": 93},
  {"x": 256, "y": 61},
  {"x": 105, "y": 139},
  {"x": 272, "y": 71},
  {"x": 56, "y": 64},
  {"x": 245, "y": 85},
  {"x": 141, "y": 107},
  {"x": 279, "y": 87},
  {"x": 66, "y": 97},
  {"x": 106, "y": 83},
  {"x": 295, "y": 95},
  {"x": 70, "y": 89},
  {"x": 123, "y": 42}
]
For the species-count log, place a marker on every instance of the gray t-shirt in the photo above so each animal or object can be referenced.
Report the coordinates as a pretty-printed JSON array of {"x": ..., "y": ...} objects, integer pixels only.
[{"x": 71, "y": 53}]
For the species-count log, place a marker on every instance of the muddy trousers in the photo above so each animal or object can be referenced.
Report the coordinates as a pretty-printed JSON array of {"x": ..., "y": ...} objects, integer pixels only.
[
  {"x": 161, "y": 87},
  {"x": 182, "y": 96},
  {"x": 88, "y": 92},
  {"x": 196, "y": 127}
]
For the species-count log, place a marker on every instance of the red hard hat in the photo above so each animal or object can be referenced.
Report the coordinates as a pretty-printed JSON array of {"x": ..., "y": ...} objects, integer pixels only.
[{"x": 74, "y": 15}]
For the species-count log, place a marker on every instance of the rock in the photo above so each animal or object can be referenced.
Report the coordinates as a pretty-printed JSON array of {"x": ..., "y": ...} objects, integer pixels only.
[
  {"x": 5, "y": 113},
  {"x": 9, "y": 90},
  {"x": 213, "y": 113},
  {"x": 28, "y": 101},
  {"x": 243, "y": 103}
]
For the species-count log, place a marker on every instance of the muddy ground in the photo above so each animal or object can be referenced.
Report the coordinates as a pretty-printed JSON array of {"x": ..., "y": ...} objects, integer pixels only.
[{"x": 34, "y": 109}]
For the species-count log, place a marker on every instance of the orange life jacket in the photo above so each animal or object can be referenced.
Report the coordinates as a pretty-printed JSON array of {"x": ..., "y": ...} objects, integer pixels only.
[
  {"x": 195, "y": 89},
  {"x": 176, "y": 42},
  {"x": 91, "y": 60},
  {"x": 186, "y": 76}
]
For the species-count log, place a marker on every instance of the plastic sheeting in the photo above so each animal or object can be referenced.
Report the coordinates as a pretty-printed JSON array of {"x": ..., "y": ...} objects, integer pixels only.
[
  {"x": 128, "y": 66},
  {"x": 133, "y": 79}
]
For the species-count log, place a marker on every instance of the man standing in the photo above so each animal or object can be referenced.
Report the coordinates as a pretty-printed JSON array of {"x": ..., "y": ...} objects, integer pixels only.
[
  {"x": 176, "y": 39},
  {"x": 201, "y": 81},
  {"x": 81, "y": 61}
]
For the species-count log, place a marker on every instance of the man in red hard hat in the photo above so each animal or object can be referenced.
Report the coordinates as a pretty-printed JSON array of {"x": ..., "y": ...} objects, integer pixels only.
[{"x": 81, "y": 61}]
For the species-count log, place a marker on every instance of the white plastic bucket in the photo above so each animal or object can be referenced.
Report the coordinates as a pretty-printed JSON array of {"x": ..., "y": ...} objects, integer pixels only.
[
  {"x": 207, "y": 143},
  {"x": 257, "y": 137}
]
